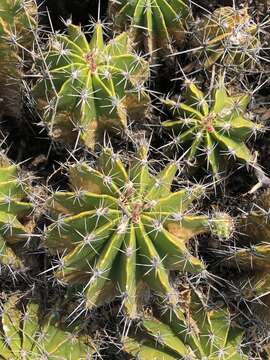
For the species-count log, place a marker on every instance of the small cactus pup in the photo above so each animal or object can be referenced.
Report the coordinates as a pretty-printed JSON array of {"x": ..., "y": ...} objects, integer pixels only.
[
  {"x": 89, "y": 87},
  {"x": 17, "y": 25},
  {"x": 155, "y": 24},
  {"x": 213, "y": 126},
  {"x": 122, "y": 230},
  {"x": 13, "y": 211},
  {"x": 24, "y": 337},
  {"x": 203, "y": 333},
  {"x": 228, "y": 37}
]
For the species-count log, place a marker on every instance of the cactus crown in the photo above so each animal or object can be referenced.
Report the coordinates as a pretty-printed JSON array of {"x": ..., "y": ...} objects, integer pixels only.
[
  {"x": 90, "y": 86},
  {"x": 229, "y": 37},
  {"x": 131, "y": 218},
  {"x": 214, "y": 125},
  {"x": 155, "y": 23},
  {"x": 23, "y": 338},
  {"x": 13, "y": 208},
  {"x": 202, "y": 334}
]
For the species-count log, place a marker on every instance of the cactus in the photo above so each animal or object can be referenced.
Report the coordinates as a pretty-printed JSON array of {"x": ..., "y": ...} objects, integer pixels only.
[
  {"x": 13, "y": 209},
  {"x": 22, "y": 337},
  {"x": 89, "y": 87},
  {"x": 155, "y": 24},
  {"x": 213, "y": 125},
  {"x": 254, "y": 256},
  {"x": 119, "y": 229},
  {"x": 203, "y": 334},
  {"x": 228, "y": 37},
  {"x": 17, "y": 22}
]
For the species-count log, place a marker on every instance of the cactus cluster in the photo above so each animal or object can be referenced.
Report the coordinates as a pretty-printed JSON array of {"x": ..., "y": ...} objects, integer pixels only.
[
  {"x": 126, "y": 197},
  {"x": 88, "y": 87},
  {"x": 155, "y": 24},
  {"x": 213, "y": 125},
  {"x": 23, "y": 337}
]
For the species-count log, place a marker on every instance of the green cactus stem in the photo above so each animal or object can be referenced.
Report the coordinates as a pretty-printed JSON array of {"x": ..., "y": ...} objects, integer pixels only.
[
  {"x": 155, "y": 24},
  {"x": 17, "y": 24},
  {"x": 13, "y": 210},
  {"x": 203, "y": 334},
  {"x": 254, "y": 256},
  {"x": 228, "y": 37},
  {"x": 89, "y": 87},
  {"x": 121, "y": 229},
  {"x": 23, "y": 338},
  {"x": 213, "y": 126}
]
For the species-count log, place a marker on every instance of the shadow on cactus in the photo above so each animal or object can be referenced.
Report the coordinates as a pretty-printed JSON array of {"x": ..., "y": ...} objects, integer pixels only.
[
  {"x": 120, "y": 231},
  {"x": 203, "y": 333},
  {"x": 212, "y": 126},
  {"x": 17, "y": 24},
  {"x": 88, "y": 87},
  {"x": 23, "y": 337},
  {"x": 228, "y": 37},
  {"x": 13, "y": 212},
  {"x": 155, "y": 24}
]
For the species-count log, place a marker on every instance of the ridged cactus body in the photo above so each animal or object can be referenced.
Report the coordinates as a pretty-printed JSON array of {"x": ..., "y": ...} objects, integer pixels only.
[
  {"x": 203, "y": 334},
  {"x": 13, "y": 209},
  {"x": 213, "y": 126},
  {"x": 90, "y": 86},
  {"x": 22, "y": 337},
  {"x": 17, "y": 25},
  {"x": 155, "y": 24},
  {"x": 228, "y": 37},
  {"x": 121, "y": 229},
  {"x": 254, "y": 256}
]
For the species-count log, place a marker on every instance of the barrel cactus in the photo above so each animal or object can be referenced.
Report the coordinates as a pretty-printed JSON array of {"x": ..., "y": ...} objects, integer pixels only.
[
  {"x": 121, "y": 229},
  {"x": 203, "y": 334},
  {"x": 213, "y": 126},
  {"x": 88, "y": 87},
  {"x": 17, "y": 24},
  {"x": 13, "y": 210},
  {"x": 22, "y": 337},
  {"x": 155, "y": 24},
  {"x": 228, "y": 37}
]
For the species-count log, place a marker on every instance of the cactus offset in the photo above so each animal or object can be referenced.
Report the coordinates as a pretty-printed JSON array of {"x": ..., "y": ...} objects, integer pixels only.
[
  {"x": 214, "y": 126},
  {"x": 23, "y": 337},
  {"x": 17, "y": 23},
  {"x": 155, "y": 24},
  {"x": 202, "y": 334},
  {"x": 13, "y": 209},
  {"x": 228, "y": 37},
  {"x": 88, "y": 87},
  {"x": 115, "y": 216}
]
